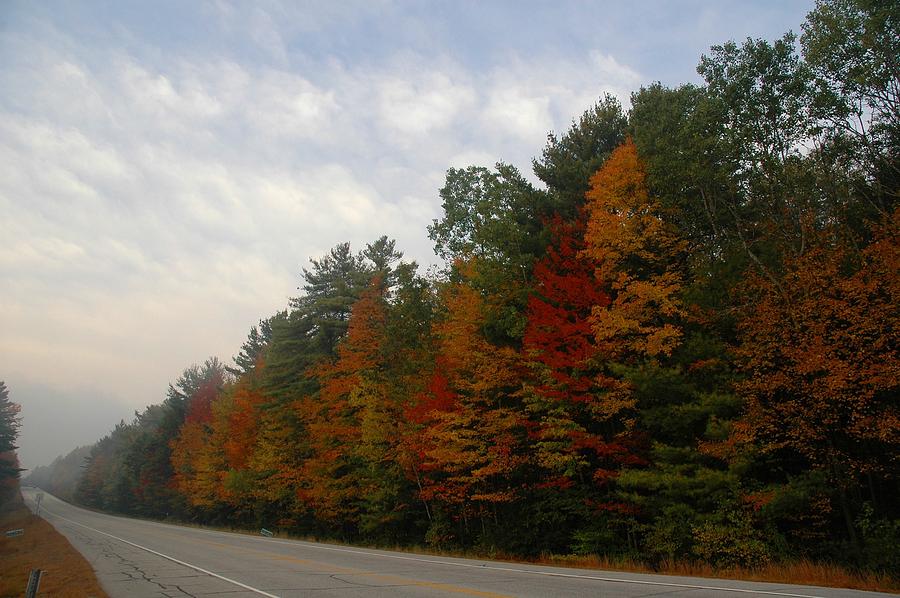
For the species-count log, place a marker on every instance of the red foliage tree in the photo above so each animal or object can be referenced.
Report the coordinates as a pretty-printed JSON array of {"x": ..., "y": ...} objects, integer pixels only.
[
  {"x": 469, "y": 441},
  {"x": 580, "y": 425}
]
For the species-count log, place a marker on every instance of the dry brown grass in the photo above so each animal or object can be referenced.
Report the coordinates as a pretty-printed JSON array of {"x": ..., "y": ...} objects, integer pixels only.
[
  {"x": 799, "y": 572},
  {"x": 66, "y": 573}
]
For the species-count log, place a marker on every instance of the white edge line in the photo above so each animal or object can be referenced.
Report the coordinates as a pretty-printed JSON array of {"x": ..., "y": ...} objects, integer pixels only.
[{"x": 167, "y": 557}]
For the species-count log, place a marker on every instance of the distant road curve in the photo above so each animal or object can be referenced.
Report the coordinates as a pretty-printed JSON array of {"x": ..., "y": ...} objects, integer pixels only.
[{"x": 137, "y": 559}]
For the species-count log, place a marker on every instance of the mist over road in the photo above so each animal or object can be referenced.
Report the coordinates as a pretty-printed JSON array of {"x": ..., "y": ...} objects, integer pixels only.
[{"x": 135, "y": 558}]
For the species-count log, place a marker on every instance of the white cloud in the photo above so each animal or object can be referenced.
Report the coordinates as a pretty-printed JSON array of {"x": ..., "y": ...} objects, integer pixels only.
[
  {"x": 528, "y": 99},
  {"x": 613, "y": 75},
  {"x": 283, "y": 104},
  {"x": 421, "y": 102},
  {"x": 264, "y": 31},
  {"x": 472, "y": 157},
  {"x": 49, "y": 253},
  {"x": 153, "y": 211},
  {"x": 520, "y": 111}
]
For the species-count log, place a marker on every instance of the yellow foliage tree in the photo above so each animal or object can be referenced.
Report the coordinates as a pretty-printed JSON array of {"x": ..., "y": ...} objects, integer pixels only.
[{"x": 636, "y": 252}]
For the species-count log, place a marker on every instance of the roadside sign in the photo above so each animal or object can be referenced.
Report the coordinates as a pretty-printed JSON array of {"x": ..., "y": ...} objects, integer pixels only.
[
  {"x": 15, "y": 532},
  {"x": 266, "y": 533}
]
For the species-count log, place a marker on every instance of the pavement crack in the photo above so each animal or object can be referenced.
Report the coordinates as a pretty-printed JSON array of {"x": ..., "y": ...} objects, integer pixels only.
[
  {"x": 185, "y": 592},
  {"x": 337, "y": 577},
  {"x": 135, "y": 573}
]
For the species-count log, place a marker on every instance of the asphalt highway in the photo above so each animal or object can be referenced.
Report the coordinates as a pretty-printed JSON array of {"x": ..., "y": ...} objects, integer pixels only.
[{"x": 137, "y": 559}]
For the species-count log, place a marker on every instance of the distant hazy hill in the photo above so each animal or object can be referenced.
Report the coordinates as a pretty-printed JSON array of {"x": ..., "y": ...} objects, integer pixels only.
[{"x": 60, "y": 477}]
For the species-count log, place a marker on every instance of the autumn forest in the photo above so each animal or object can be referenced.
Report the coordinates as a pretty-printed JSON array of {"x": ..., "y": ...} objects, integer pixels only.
[{"x": 681, "y": 344}]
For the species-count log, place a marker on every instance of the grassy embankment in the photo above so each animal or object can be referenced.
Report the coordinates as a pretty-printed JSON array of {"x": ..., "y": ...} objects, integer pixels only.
[
  {"x": 803, "y": 572},
  {"x": 66, "y": 573}
]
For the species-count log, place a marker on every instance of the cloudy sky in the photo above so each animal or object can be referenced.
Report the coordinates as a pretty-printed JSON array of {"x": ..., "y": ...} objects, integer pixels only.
[{"x": 167, "y": 167}]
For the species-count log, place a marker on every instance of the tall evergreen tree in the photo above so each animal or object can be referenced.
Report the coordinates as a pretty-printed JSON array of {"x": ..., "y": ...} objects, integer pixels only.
[
  {"x": 568, "y": 161},
  {"x": 9, "y": 431}
]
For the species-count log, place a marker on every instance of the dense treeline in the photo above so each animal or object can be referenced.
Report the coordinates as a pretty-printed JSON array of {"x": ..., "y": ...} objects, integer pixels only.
[{"x": 683, "y": 345}]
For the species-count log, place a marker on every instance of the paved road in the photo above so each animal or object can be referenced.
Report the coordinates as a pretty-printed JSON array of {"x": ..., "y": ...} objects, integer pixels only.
[{"x": 137, "y": 559}]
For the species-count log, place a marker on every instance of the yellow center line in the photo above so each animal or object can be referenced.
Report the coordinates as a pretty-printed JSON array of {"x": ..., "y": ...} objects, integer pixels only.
[{"x": 331, "y": 568}]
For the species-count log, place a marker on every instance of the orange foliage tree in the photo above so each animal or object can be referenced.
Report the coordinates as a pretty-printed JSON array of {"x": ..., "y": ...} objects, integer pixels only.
[
  {"x": 198, "y": 462},
  {"x": 231, "y": 443},
  {"x": 636, "y": 252},
  {"x": 820, "y": 353},
  {"x": 469, "y": 431},
  {"x": 350, "y": 421}
]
